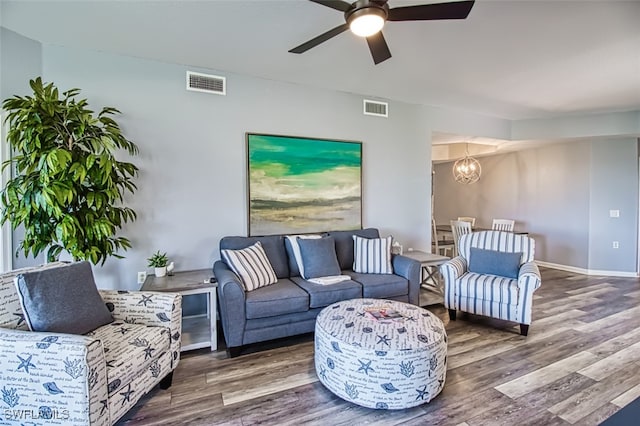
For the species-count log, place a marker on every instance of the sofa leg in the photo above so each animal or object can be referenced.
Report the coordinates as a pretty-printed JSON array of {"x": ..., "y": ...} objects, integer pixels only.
[
  {"x": 452, "y": 314},
  {"x": 234, "y": 351},
  {"x": 524, "y": 329},
  {"x": 165, "y": 383}
]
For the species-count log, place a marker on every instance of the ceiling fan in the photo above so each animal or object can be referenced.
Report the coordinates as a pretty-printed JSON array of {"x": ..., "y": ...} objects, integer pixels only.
[{"x": 366, "y": 18}]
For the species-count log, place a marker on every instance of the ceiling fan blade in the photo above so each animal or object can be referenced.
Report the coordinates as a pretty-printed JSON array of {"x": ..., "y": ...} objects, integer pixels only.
[
  {"x": 334, "y": 4},
  {"x": 320, "y": 39},
  {"x": 378, "y": 47},
  {"x": 427, "y": 12}
]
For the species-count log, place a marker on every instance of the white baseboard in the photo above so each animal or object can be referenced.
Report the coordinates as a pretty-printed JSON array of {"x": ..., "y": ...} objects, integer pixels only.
[{"x": 587, "y": 271}]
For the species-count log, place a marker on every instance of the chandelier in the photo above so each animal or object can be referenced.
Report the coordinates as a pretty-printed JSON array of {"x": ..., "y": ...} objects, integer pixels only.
[{"x": 467, "y": 169}]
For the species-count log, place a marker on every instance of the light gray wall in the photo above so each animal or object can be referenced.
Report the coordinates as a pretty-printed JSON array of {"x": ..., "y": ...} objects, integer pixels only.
[
  {"x": 20, "y": 61},
  {"x": 614, "y": 186},
  {"x": 192, "y": 184},
  {"x": 602, "y": 125},
  {"x": 560, "y": 194},
  {"x": 193, "y": 167}
]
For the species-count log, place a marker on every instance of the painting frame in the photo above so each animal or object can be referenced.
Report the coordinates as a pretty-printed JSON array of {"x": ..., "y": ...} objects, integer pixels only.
[{"x": 302, "y": 185}]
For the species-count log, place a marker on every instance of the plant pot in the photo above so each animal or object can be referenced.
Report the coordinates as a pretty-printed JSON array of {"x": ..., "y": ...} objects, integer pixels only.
[{"x": 161, "y": 272}]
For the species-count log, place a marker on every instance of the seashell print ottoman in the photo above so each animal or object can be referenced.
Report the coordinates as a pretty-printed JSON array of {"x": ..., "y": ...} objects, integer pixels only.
[{"x": 380, "y": 353}]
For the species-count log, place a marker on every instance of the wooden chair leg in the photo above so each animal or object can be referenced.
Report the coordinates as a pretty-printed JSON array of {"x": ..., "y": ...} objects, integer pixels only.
[
  {"x": 452, "y": 314},
  {"x": 524, "y": 329}
]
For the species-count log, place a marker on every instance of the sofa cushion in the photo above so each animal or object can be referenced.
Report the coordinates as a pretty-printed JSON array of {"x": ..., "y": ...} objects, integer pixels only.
[
  {"x": 344, "y": 244},
  {"x": 273, "y": 246},
  {"x": 296, "y": 267},
  {"x": 283, "y": 297},
  {"x": 319, "y": 257},
  {"x": 129, "y": 349},
  {"x": 324, "y": 295},
  {"x": 53, "y": 299},
  {"x": 380, "y": 286},
  {"x": 494, "y": 262},
  {"x": 372, "y": 255},
  {"x": 251, "y": 265},
  {"x": 488, "y": 287}
]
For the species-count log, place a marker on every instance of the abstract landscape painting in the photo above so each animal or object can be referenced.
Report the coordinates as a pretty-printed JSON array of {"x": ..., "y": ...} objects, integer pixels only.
[{"x": 303, "y": 185}]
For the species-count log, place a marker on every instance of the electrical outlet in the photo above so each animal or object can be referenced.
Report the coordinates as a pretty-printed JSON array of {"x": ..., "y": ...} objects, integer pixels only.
[
  {"x": 616, "y": 244},
  {"x": 141, "y": 277},
  {"x": 614, "y": 213}
]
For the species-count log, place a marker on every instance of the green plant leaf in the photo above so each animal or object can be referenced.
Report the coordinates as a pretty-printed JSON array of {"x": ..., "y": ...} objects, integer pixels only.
[{"x": 67, "y": 189}]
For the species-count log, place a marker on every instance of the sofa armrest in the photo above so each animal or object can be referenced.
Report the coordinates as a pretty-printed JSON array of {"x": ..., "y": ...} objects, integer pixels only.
[
  {"x": 451, "y": 271},
  {"x": 41, "y": 372},
  {"x": 232, "y": 304},
  {"x": 409, "y": 269},
  {"x": 152, "y": 308}
]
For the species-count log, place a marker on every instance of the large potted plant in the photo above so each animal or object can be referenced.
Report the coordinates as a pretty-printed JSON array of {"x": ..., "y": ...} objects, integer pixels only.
[{"x": 68, "y": 187}]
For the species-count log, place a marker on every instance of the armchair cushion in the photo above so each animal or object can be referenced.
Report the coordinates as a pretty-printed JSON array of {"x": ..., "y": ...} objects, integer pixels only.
[
  {"x": 54, "y": 299},
  {"x": 493, "y": 262},
  {"x": 319, "y": 257},
  {"x": 488, "y": 287},
  {"x": 11, "y": 312}
]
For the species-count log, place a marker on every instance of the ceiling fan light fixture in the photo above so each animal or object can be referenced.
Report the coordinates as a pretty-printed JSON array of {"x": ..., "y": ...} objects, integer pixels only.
[{"x": 366, "y": 22}]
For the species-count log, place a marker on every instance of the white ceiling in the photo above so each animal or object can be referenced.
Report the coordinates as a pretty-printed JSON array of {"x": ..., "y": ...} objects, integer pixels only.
[{"x": 512, "y": 59}]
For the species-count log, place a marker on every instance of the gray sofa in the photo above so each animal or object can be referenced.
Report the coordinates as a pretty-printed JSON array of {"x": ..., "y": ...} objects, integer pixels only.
[{"x": 290, "y": 306}]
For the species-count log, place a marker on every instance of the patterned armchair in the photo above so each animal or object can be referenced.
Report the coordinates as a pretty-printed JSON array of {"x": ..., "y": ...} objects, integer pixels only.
[
  {"x": 90, "y": 379},
  {"x": 491, "y": 295}
]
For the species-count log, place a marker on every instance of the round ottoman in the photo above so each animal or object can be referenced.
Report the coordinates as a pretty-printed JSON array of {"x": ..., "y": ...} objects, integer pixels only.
[{"x": 365, "y": 355}]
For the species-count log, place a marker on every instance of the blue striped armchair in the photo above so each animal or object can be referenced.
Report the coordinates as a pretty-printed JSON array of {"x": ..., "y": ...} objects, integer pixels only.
[{"x": 504, "y": 297}]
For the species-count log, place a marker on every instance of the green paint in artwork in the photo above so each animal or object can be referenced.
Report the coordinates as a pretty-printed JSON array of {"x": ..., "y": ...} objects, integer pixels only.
[
  {"x": 281, "y": 156},
  {"x": 303, "y": 185}
]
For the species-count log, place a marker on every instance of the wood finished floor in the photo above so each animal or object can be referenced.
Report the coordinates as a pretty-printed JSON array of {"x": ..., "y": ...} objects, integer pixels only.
[{"x": 579, "y": 365}]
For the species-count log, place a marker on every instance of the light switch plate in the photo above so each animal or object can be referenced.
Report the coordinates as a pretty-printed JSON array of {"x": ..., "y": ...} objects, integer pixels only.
[{"x": 614, "y": 213}]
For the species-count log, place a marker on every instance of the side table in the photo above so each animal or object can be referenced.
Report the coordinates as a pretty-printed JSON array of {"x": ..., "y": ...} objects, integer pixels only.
[
  {"x": 430, "y": 273},
  {"x": 197, "y": 332}
]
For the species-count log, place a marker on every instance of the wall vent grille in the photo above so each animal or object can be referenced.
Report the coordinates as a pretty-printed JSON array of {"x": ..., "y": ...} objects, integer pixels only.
[
  {"x": 207, "y": 83},
  {"x": 379, "y": 109}
]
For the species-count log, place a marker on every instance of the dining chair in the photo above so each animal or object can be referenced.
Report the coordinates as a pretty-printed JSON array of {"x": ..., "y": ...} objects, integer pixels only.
[
  {"x": 471, "y": 220},
  {"x": 440, "y": 246},
  {"x": 458, "y": 229},
  {"x": 503, "y": 225}
]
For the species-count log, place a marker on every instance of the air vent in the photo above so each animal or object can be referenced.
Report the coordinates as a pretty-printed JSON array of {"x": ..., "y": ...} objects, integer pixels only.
[
  {"x": 206, "y": 83},
  {"x": 379, "y": 109}
]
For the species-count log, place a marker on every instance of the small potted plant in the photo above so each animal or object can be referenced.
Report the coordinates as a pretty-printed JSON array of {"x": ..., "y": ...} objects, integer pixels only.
[{"x": 159, "y": 261}]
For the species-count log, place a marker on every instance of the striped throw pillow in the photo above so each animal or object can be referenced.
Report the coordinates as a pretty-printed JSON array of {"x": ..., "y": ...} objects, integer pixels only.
[
  {"x": 372, "y": 255},
  {"x": 251, "y": 265}
]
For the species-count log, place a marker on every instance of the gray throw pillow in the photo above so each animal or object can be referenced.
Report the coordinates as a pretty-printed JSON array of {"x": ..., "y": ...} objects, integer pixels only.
[
  {"x": 319, "y": 257},
  {"x": 62, "y": 300},
  {"x": 494, "y": 262}
]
